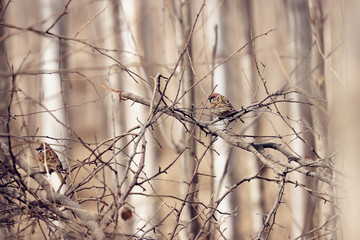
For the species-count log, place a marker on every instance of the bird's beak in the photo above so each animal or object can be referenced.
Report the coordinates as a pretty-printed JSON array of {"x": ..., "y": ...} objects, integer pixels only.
[{"x": 38, "y": 149}]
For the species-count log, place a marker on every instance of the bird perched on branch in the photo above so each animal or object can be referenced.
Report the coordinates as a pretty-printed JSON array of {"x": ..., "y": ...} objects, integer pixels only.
[
  {"x": 220, "y": 105},
  {"x": 50, "y": 160}
]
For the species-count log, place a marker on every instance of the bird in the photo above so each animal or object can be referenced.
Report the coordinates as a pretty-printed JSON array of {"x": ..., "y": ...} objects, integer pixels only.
[
  {"x": 50, "y": 160},
  {"x": 220, "y": 105}
]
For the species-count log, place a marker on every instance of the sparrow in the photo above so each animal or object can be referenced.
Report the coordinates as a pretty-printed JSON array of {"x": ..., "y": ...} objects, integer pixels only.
[
  {"x": 220, "y": 105},
  {"x": 50, "y": 160}
]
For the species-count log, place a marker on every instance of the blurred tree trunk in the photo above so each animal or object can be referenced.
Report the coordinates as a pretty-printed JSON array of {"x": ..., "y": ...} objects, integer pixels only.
[
  {"x": 322, "y": 212},
  {"x": 300, "y": 33},
  {"x": 182, "y": 9},
  {"x": 114, "y": 24},
  {"x": 250, "y": 81},
  {"x": 150, "y": 37},
  {"x": 4, "y": 118},
  {"x": 64, "y": 76},
  {"x": 52, "y": 89},
  {"x": 347, "y": 113},
  {"x": 147, "y": 38},
  {"x": 144, "y": 207},
  {"x": 225, "y": 78}
]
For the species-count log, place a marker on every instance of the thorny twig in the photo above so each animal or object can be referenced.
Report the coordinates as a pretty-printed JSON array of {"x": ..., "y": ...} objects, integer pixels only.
[{"x": 256, "y": 148}]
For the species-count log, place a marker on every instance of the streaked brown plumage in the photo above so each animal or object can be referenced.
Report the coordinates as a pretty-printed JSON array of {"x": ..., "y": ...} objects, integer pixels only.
[
  {"x": 220, "y": 105},
  {"x": 49, "y": 158}
]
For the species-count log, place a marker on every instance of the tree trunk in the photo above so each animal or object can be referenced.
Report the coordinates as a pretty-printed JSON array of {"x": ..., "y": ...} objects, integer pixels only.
[
  {"x": 249, "y": 95},
  {"x": 52, "y": 123},
  {"x": 224, "y": 76},
  {"x": 182, "y": 9},
  {"x": 300, "y": 33},
  {"x": 347, "y": 114},
  {"x": 4, "y": 118},
  {"x": 114, "y": 23},
  {"x": 144, "y": 207},
  {"x": 322, "y": 212}
]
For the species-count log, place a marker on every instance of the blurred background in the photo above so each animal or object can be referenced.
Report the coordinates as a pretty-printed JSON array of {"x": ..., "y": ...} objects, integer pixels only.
[{"x": 56, "y": 55}]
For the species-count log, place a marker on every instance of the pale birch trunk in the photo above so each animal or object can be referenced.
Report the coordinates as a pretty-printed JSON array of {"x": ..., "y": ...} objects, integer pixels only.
[
  {"x": 221, "y": 162},
  {"x": 144, "y": 207},
  {"x": 300, "y": 34},
  {"x": 114, "y": 22},
  {"x": 323, "y": 144},
  {"x": 250, "y": 81},
  {"x": 52, "y": 123},
  {"x": 114, "y": 28},
  {"x": 4, "y": 118},
  {"x": 182, "y": 11},
  {"x": 348, "y": 113}
]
